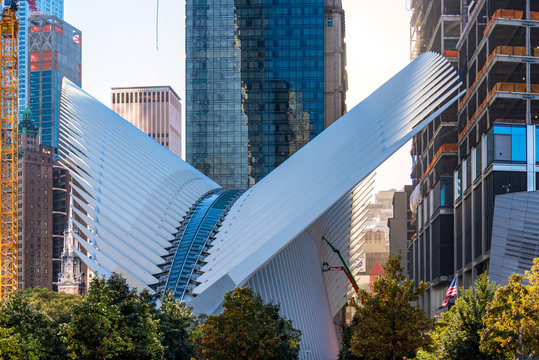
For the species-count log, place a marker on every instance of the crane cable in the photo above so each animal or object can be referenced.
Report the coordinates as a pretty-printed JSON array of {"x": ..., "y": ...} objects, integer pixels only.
[{"x": 157, "y": 27}]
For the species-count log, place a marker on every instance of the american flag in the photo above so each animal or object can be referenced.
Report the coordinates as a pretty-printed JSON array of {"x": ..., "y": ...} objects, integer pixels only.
[{"x": 451, "y": 291}]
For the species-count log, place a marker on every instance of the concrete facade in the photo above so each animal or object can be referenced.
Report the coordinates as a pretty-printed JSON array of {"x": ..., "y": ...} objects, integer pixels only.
[
  {"x": 335, "y": 77},
  {"x": 35, "y": 210},
  {"x": 434, "y": 26},
  {"x": 401, "y": 230}
]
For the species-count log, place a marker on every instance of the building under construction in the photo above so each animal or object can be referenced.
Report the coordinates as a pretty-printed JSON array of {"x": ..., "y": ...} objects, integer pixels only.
[
  {"x": 485, "y": 147},
  {"x": 435, "y": 26},
  {"x": 498, "y": 117}
]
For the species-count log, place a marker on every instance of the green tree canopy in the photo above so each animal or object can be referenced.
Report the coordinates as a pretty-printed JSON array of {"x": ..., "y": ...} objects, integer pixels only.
[
  {"x": 26, "y": 332},
  {"x": 56, "y": 305},
  {"x": 457, "y": 334},
  {"x": 113, "y": 323},
  {"x": 387, "y": 325},
  {"x": 514, "y": 313},
  {"x": 247, "y": 329},
  {"x": 176, "y": 323}
]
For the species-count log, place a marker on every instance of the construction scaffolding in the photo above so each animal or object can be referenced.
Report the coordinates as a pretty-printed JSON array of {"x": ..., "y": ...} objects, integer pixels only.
[{"x": 9, "y": 28}]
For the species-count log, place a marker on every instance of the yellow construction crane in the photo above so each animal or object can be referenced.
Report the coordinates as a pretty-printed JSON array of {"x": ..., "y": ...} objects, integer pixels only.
[{"x": 9, "y": 144}]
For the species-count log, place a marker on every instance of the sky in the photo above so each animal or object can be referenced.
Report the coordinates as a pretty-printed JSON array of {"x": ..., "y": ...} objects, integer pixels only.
[{"x": 119, "y": 49}]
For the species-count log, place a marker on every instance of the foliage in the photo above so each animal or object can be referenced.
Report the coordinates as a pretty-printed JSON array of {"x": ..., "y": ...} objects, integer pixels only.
[
  {"x": 113, "y": 323},
  {"x": 346, "y": 353},
  {"x": 457, "y": 332},
  {"x": 56, "y": 305},
  {"x": 176, "y": 323},
  {"x": 27, "y": 333},
  {"x": 10, "y": 344},
  {"x": 514, "y": 312},
  {"x": 388, "y": 326},
  {"x": 247, "y": 329}
]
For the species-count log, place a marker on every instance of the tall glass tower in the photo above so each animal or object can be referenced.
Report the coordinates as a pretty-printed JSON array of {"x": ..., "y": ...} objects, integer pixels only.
[
  {"x": 50, "y": 7},
  {"x": 254, "y": 86},
  {"x": 55, "y": 52}
]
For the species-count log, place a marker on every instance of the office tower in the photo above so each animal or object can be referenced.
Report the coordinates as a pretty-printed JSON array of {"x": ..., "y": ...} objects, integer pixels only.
[
  {"x": 335, "y": 77},
  {"x": 51, "y": 7},
  {"x": 497, "y": 137},
  {"x": 435, "y": 26},
  {"x": 156, "y": 110},
  {"x": 255, "y": 83},
  {"x": 35, "y": 209},
  {"x": 400, "y": 225},
  {"x": 55, "y": 52},
  {"x": 375, "y": 238},
  {"x": 494, "y": 149},
  {"x": 43, "y": 198}
]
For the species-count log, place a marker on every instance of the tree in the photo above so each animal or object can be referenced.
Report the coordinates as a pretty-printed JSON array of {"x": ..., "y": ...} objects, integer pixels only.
[
  {"x": 531, "y": 302},
  {"x": 348, "y": 331},
  {"x": 388, "y": 326},
  {"x": 56, "y": 305},
  {"x": 176, "y": 322},
  {"x": 247, "y": 329},
  {"x": 27, "y": 332},
  {"x": 11, "y": 346},
  {"x": 513, "y": 318},
  {"x": 113, "y": 323},
  {"x": 457, "y": 334}
]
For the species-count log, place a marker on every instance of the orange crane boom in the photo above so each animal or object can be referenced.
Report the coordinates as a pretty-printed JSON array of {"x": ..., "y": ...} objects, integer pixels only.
[{"x": 9, "y": 143}]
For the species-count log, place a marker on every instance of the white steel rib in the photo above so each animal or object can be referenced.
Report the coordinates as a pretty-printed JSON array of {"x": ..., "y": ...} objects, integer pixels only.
[
  {"x": 292, "y": 197},
  {"x": 129, "y": 192},
  {"x": 130, "y": 195}
]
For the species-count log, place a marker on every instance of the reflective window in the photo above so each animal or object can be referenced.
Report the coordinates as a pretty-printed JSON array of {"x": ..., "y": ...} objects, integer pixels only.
[
  {"x": 201, "y": 222},
  {"x": 537, "y": 144},
  {"x": 509, "y": 143},
  {"x": 254, "y": 85}
]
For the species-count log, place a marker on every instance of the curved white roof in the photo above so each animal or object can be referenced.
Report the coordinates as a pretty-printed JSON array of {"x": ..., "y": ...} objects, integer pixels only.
[
  {"x": 271, "y": 214},
  {"x": 129, "y": 192}
]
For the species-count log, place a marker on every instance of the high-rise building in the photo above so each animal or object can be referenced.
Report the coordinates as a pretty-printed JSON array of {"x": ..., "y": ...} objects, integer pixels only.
[
  {"x": 498, "y": 131},
  {"x": 488, "y": 149},
  {"x": 400, "y": 226},
  {"x": 255, "y": 83},
  {"x": 375, "y": 238},
  {"x": 156, "y": 110},
  {"x": 43, "y": 198},
  {"x": 335, "y": 77},
  {"x": 435, "y": 26},
  {"x": 35, "y": 209},
  {"x": 55, "y": 52},
  {"x": 51, "y": 7}
]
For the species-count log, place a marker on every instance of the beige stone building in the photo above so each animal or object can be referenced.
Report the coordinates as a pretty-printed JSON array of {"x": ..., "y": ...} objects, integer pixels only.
[{"x": 156, "y": 110}]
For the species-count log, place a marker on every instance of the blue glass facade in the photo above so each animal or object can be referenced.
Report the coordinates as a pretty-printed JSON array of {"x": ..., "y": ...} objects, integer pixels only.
[
  {"x": 192, "y": 238},
  {"x": 51, "y": 7},
  {"x": 55, "y": 53},
  {"x": 254, "y": 86}
]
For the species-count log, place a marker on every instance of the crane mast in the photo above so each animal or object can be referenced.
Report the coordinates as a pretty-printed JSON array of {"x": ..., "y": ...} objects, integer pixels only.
[{"x": 9, "y": 142}]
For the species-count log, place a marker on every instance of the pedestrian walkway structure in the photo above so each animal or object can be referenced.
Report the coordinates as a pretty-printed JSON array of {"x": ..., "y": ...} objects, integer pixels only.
[{"x": 144, "y": 213}]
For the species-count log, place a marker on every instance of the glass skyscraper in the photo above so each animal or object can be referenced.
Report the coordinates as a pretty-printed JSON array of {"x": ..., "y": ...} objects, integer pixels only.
[
  {"x": 51, "y": 7},
  {"x": 254, "y": 86},
  {"x": 55, "y": 53}
]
